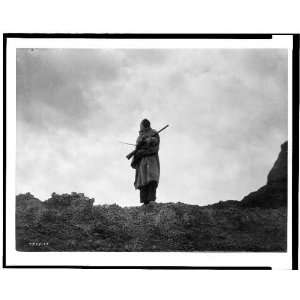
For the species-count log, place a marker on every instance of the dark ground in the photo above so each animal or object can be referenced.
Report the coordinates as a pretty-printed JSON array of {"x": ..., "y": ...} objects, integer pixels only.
[{"x": 72, "y": 223}]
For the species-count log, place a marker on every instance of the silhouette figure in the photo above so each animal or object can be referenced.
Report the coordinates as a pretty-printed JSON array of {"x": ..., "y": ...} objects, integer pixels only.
[{"x": 146, "y": 162}]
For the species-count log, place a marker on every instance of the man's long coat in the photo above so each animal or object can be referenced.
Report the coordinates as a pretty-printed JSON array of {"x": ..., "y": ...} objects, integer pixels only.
[{"x": 148, "y": 168}]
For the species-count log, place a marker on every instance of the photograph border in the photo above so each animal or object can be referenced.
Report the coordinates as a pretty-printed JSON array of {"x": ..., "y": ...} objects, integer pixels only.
[{"x": 295, "y": 134}]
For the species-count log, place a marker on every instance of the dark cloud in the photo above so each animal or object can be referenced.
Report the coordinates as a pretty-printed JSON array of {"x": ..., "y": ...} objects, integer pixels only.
[{"x": 54, "y": 86}]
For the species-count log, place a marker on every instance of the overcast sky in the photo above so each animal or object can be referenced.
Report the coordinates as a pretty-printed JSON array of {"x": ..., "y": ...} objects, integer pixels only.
[{"x": 227, "y": 110}]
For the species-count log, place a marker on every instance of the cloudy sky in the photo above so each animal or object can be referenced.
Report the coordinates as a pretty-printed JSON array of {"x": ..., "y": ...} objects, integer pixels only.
[{"x": 227, "y": 110}]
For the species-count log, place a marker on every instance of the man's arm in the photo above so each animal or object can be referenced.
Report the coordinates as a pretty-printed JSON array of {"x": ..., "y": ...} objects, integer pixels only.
[{"x": 151, "y": 146}]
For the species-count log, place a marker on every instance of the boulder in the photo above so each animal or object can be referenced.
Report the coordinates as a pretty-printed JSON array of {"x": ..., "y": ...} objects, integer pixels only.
[
  {"x": 27, "y": 201},
  {"x": 75, "y": 201}
]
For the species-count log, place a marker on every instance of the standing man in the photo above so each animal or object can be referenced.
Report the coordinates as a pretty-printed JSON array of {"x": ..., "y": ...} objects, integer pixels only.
[{"x": 146, "y": 162}]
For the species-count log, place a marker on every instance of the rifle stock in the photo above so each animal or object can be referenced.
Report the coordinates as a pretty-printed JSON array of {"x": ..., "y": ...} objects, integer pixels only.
[{"x": 132, "y": 153}]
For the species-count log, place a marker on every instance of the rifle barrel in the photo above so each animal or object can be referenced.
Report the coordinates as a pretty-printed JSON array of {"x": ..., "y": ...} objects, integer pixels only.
[
  {"x": 163, "y": 128},
  {"x": 127, "y": 143}
]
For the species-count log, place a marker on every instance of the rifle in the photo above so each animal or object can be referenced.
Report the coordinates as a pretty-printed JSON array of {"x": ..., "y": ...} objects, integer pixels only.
[{"x": 138, "y": 146}]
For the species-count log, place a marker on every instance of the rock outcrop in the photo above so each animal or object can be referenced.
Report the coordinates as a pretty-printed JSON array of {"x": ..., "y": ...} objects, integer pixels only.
[
  {"x": 27, "y": 201},
  {"x": 274, "y": 193}
]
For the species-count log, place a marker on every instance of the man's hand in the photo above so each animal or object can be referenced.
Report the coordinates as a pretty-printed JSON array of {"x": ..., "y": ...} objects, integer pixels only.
[{"x": 140, "y": 153}]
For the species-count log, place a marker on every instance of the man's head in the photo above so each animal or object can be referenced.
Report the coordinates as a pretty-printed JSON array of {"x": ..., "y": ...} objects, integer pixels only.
[{"x": 145, "y": 124}]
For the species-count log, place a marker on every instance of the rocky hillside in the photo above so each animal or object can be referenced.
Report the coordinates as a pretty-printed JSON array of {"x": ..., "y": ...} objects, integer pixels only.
[
  {"x": 70, "y": 222},
  {"x": 274, "y": 193}
]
